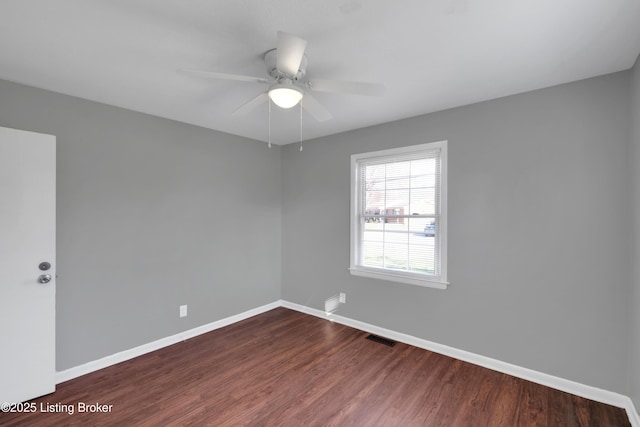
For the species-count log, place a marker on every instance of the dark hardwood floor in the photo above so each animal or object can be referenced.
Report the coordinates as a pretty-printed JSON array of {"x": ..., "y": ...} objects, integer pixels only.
[{"x": 284, "y": 368}]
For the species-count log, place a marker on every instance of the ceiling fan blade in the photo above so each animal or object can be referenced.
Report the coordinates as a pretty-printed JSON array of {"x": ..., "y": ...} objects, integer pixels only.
[
  {"x": 353, "y": 88},
  {"x": 251, "y": 104},
  {"x": 313, "y": 107},
  {"x": 222, "y": 76},
  {"x": 290, "y": 52}
]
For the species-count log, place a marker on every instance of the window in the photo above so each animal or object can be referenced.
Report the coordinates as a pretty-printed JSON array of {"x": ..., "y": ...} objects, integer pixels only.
[{"x": 398, "y": 215}]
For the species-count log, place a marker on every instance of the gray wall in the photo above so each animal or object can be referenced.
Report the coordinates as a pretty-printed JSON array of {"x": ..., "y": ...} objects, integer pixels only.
[
  {"x": 539, "y": 214},
  {"x": 151, "y": 214},
  {"x": 634, "y": 300},
  {"x": 539, "y": 217}
]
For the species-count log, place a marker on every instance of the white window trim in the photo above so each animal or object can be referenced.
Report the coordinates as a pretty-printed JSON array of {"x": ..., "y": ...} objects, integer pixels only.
[{"x": 438, "y": 282}]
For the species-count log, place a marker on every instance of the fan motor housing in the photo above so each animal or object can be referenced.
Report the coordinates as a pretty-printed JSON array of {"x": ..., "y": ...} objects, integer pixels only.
[{"x": 270, "y": 60}]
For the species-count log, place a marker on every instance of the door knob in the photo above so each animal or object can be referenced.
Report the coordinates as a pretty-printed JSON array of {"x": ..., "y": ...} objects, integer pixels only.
[{"x": 44, "y": 278}]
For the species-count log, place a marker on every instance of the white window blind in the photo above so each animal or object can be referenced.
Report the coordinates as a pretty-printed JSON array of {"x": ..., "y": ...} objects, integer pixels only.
[{"x": 398, "y": 227}]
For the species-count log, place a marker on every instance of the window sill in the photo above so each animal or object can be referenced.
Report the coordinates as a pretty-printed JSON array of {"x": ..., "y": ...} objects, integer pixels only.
[{"x": 400, "y": 278}]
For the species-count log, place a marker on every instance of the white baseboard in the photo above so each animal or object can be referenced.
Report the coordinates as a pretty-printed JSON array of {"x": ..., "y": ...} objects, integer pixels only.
[
  {"x": 634, "y": 418},
  {"x": 589, "y": 392},
  {"x": 107, "y": 361}
]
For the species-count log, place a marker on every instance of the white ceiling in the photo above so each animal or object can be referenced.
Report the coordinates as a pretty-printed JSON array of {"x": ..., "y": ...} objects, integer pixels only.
[{"x": 430, "y": 54}]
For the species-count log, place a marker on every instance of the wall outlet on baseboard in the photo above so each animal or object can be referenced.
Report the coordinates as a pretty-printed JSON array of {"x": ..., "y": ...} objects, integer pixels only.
[
  {"x": 343, "y": 297},
  {"x": 183, "y": 311}
]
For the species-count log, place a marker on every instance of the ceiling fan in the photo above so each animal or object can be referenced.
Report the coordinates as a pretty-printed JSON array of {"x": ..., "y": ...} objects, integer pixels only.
[{"x": 287, "y": 66}]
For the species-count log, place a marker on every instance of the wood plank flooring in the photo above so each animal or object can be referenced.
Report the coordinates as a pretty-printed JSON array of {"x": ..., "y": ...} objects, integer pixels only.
[{"x": 284, "y": 368}]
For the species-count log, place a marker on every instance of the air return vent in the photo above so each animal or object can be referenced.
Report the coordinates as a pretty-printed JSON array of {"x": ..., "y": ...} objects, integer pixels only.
[{"x": 381, "y": 340}]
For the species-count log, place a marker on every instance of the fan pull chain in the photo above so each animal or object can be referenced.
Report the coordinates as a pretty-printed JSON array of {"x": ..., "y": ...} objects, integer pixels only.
[
  {"x": 269, "y": 122},
  {"x": 300, "y": 126}
]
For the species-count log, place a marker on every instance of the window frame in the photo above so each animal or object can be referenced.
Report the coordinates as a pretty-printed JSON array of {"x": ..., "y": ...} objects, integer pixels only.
[{"x": 438, "y": 281}]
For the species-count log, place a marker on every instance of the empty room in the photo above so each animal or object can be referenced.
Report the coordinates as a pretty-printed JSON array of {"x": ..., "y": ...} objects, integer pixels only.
[{"x": 324, "y": 213}]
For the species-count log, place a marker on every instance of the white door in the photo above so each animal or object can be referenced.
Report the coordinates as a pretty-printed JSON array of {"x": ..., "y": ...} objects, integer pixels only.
[{"x": 27, "y": 240}]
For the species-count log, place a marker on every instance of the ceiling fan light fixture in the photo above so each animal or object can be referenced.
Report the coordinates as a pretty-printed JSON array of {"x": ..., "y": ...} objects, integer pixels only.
[{"x": 284, "y": 95}]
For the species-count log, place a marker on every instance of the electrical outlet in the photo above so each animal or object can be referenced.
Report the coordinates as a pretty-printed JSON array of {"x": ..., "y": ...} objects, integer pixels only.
[
  {"x": 183, "y": 311},
  {"x": 343, "y": 297}
]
